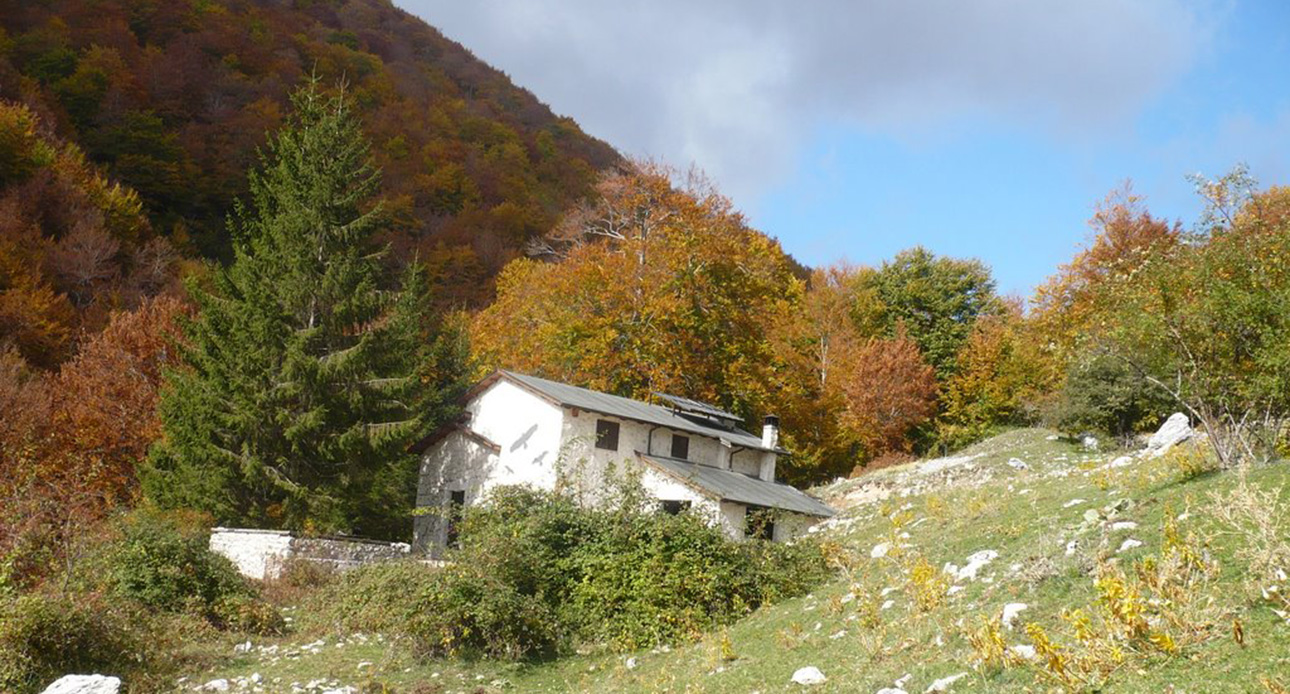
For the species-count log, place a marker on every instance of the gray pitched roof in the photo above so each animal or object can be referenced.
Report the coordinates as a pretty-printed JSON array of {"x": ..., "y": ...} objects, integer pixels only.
[
  {"x": 734, "y": 486},
  {"x": 626, "y": 408}
]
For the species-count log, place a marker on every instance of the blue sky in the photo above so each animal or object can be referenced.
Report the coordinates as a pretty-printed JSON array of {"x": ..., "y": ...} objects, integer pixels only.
[{"x": 852, "y": 130}]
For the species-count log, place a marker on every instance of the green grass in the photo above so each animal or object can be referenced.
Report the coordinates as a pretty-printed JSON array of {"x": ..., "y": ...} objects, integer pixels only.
[{"x": 1023, "y": 514}]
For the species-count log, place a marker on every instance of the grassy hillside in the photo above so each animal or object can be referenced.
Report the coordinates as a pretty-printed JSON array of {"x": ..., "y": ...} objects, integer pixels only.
[
  {"x": 1182, "y": 609},
  {"x": 174, "y": 97}
]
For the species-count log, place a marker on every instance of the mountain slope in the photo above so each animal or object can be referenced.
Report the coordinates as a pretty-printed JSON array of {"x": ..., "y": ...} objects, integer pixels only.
[
  {"x": 174, "y": 97},
  {"x": 939, "y": 549}
]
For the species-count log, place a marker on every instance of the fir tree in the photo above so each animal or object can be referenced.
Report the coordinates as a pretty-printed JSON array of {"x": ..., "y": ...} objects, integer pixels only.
[{"x": 306, "y": 380}]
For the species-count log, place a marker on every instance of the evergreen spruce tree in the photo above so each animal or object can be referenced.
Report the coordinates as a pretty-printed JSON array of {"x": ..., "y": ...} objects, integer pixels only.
[{"x": 305, "y": 378}]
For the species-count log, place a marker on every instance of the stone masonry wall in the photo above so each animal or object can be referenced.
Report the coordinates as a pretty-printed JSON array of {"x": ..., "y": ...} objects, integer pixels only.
[{"x": 261, "y": 554}]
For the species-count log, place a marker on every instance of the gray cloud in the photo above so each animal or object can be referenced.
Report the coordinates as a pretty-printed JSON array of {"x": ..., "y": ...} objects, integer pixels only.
[{"x": 738, "y": 86}]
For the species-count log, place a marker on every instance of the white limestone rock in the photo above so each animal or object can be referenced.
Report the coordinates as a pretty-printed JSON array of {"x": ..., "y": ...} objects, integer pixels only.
[
  {"x": 944, "y": 683},
  {"x": 1128, "y": 545},
  {"x": 1122, "y": 461},
  {"x": 809, "y": 676},
  {"x": 1174, "y": 431},
  {"x": 1010, "y": 612},
  {"x": 975, "y": 562},
  {"x": 84, "y": 684}
]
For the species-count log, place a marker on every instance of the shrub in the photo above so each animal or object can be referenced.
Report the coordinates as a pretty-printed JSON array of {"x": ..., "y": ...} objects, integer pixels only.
[
  {"x": 471, "y": 612},
  {"x": 44, "y": 637},
  {"x": 1105, "y": 395},
  {"x": 379, "y": 597},
  {"x": 163, "y": 561},
  {"x": 163, "y": 565},
  {"x": 536, "y": 571},
  {"x": 247, "y": 613}
]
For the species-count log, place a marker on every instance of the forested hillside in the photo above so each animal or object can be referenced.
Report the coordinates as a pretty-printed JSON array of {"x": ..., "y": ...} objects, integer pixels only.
[{"x": 174, "y": 98}]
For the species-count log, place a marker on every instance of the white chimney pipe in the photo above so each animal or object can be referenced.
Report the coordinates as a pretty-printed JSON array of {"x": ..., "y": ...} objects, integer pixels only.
[{"x": 770, "y": 432}]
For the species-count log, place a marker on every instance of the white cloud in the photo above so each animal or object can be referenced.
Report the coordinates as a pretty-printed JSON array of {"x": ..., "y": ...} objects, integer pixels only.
[{"x": 738, "y": 86}]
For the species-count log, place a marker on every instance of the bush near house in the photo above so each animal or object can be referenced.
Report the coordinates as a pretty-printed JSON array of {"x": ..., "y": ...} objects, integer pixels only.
[
  {"x": 536, "y": 572},
  {"x": 139, "y": 590}
]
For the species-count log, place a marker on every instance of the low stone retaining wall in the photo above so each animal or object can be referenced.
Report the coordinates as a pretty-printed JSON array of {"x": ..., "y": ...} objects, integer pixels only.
[{"x": 261, "y": 554}]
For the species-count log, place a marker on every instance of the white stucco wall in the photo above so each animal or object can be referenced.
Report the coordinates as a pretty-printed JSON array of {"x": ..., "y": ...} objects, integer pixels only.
[
  {"x": 528, "y": 429},
  {"x": 664, "y": 487},
  {"x": 458, "y": 462},
  {"x": 746, "y": 462}
]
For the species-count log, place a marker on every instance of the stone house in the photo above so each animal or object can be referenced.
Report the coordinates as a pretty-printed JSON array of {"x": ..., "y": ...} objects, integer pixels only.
[{"x": 523, "y": 430}]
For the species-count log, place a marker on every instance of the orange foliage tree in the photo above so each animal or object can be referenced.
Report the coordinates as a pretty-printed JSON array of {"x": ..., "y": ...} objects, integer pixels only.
[
  {"x": 1081, "y": 299},
  {"x": 850, "y": 394},
  {"x": 659, "y": 288},
  {"x": 106, "y": 397},
  {"x": 888, "y": 389},
  {"x": 1003, "y": 376}
]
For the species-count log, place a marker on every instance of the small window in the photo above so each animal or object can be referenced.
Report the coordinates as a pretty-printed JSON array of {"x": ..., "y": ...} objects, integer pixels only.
[
  {"x": 681, "y": 447},
  {"x": 674, "y": 507},
  {"x": 606, "y": 434},
  {"x": 456, "y": 504},
  {"x": 759, "y": 523}
]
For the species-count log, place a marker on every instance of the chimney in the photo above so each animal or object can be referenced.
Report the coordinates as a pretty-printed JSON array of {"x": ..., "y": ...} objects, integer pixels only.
[{"x": 770, "y": 432}]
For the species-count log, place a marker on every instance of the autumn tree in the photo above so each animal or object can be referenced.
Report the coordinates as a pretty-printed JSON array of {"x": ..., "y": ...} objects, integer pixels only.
[
  {"x": 849, "y": 393},
  {"x": 105, "y": 399},
  {"x": 305, "y": 379},
  {"x": 1002, "y": 377},
  {"x": 888, "y": 389},
  {"x": 74, "y": 246},
  {"x": 1080, "y": 300},
  {"x": 1210, "y": 328},
  {"x": 661, "y": 287}
]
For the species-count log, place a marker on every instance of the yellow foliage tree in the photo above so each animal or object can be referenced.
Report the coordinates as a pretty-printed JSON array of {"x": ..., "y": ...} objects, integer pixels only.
[{"x": 658, "y": 287}]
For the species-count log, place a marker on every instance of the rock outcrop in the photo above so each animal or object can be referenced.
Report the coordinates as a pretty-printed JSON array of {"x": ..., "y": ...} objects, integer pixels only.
[{"x": 85, "y": 684}]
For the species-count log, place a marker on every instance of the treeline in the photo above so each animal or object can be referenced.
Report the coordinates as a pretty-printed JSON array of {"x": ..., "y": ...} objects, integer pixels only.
[
  {"x": 173, "y": 98},
  {"x": 663, "y": 287}
]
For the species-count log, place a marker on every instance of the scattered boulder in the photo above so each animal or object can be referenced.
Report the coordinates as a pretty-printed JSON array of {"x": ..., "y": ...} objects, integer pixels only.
[
  {"x": 1128, "y": 545},
  {"x": 976, "y": 561},
  {"x": 1010, "y": 612},
  {"x": 1174, "y": 431},
  {"x": 220, "y": 685},
  {"x": 880, "y": 550},
  {"x": 1018, "y": 464},
  {"x": 891, "y": 690},
  {"x": 1089, "y": 442},
  {"x": 84, "y": 684},
  {"x": 809, "y": 676},
  {"x": 944, "y": 683}
]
